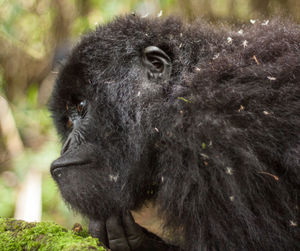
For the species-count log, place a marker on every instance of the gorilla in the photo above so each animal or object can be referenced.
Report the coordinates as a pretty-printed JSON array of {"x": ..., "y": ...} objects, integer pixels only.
[{"x": 182, "y": 136}]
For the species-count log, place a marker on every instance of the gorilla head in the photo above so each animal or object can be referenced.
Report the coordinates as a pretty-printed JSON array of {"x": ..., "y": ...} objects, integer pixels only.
[
  {"x": 202, "y": 122},
  {"x": 99, "y": 106}
]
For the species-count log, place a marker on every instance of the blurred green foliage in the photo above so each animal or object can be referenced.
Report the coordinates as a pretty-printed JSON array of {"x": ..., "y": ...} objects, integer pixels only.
[
  {"x": 8, "y": 197},
  {"x": 34, "y": 25},
  {"x": 32, "y": 31},
  {"x": 1, "y": 82}
]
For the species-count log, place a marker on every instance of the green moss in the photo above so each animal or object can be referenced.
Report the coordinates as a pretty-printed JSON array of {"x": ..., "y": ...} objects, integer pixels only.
[{"x": 21, "y": 235}]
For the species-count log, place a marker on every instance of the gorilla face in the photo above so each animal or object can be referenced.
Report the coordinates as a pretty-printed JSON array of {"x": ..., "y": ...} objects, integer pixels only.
[
  {"x": 82, "y": 173},
  {"x": 97, "y": 106}
]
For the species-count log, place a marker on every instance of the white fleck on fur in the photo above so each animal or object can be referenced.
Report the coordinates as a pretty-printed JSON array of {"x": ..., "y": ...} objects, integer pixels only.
[
  {"x": 229, "y": 170},
  {"x": 113, "y": 178},
  {"x": 216, "y": 56},
  {"x": 245, "y": 43},
  {"x": 266, "y": 22},
  {"x": 271, "y": 78},
  {"x": 205, "y": 156},
  {"x": 229, "y": 40}
]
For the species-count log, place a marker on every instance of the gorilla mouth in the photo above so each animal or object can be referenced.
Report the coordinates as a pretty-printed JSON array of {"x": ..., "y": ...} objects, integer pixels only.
[
  {"x": 70, "y": 158},
  {"x": 58, "y": 166}
]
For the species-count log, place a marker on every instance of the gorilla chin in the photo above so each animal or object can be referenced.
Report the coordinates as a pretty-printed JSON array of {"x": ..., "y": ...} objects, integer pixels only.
[
  {"x": 182, "y": 137},
  {"x": 78, "y": 188}
]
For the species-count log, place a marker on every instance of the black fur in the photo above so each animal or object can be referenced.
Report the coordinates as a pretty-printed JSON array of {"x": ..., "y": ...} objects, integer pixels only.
[{"x": 217, "y": 146}]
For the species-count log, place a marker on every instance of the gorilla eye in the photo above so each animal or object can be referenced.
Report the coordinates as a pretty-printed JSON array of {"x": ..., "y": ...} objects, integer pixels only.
[
  {"x": 81, "y": 107},
  {"x": 69, "y": 123},
  {"x": 75, "y": 112}
]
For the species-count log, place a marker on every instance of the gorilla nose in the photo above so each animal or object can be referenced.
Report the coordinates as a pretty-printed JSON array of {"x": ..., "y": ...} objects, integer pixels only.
[{"x": 57, "y": 167}]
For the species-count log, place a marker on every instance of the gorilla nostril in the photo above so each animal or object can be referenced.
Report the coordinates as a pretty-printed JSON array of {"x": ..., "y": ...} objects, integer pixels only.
[
  {"x": 56, "y": 168},
  {"x": 56, "y": 172}
]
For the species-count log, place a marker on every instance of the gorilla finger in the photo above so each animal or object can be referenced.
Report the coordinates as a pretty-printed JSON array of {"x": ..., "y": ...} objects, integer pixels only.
[
  {"x": 97, "y": 229},
  {"x": 135, "y": 235},
  {"x": 139, "y": 240},
  {"x": 116, "y": 235}
]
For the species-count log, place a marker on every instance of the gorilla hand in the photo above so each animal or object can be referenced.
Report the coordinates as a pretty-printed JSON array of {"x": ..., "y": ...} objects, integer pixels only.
[{"x": 123, "y": 234}]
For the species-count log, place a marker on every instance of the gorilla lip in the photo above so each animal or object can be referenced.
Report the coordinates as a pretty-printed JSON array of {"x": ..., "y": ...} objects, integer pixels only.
[{"x": 61, "y": 162}]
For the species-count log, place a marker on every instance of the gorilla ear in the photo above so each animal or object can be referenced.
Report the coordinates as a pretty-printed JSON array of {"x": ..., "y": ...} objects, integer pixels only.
[{"x": 157, "y": 63}]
